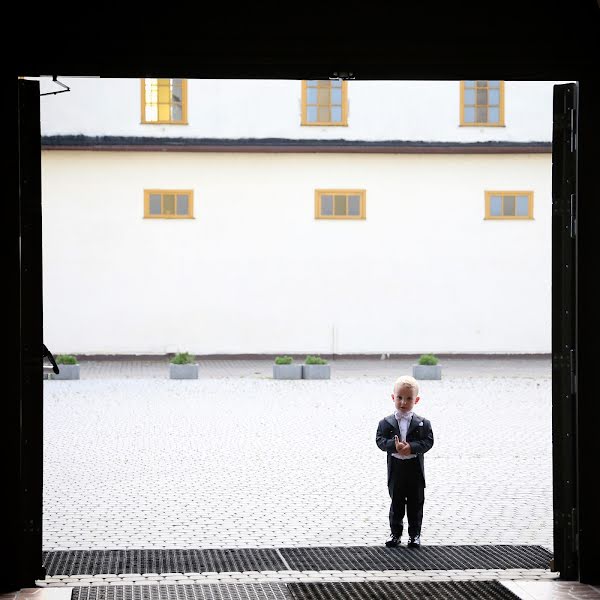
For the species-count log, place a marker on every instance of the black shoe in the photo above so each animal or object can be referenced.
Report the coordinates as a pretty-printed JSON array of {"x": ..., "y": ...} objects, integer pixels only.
[
  {"x": 393, "y": 541},
  {"x": 414, "y": 542}
]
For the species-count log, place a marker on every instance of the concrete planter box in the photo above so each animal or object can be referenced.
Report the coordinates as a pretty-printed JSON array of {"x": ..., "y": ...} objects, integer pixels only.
[
  {"x": 427, "y": 371},
  {"x": 316, "y": 371},
  {"x": 66, "y": 372},
  {"x": 287, "y": 371},
  {"x": 183, "y": 371}
]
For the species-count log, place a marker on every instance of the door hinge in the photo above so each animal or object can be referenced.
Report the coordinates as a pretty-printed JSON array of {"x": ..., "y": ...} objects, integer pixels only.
[
  {"x": 342, "y": 75},
  {"x": 564, "y": 361},
  {"x": 572, "y": 129}
]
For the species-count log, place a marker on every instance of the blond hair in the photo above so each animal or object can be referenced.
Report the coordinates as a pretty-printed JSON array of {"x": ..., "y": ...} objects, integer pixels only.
[{"x": 408, "y": 381}]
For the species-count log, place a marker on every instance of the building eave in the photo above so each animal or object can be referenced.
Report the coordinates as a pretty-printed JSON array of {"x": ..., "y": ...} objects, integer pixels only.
[{"x": 282, "y": 145}]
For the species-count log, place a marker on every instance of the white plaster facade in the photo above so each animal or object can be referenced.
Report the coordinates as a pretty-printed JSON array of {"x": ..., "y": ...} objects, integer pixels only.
[
  {"x": 254, "y": 272},
  {"x": 377, "y": 110}
]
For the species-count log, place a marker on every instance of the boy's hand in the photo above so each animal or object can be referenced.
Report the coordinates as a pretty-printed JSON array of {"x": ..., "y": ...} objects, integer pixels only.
[
  {"x": 399, "y": 445},
  {"x": 406, "y": 449},
  {"x": 402, "y": 448}
]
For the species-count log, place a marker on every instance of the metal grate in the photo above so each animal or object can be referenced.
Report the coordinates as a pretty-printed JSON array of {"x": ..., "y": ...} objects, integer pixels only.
[
  {"x": 263, "y": 591},
  {"x": 362, "y": 558},
  {"x": 99, "y": 562},
  {"x": 426, "y": 558},
  {"x": 412, "y": 590}
]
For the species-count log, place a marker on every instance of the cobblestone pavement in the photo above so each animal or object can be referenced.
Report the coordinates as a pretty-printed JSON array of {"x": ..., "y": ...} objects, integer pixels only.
[
  {"x": 237, "y": 459},
  {"x": 487, "y": 366}
]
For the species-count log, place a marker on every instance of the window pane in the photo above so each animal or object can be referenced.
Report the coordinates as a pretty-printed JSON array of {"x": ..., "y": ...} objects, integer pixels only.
[
  {"x": 164, "y": 90},
  {"x": 323, "y": 114},
  {"x": 339, "y": 205},
  {"x": 336, "y": 114},
  {"x": 311, "y": 114},
  {"x": 481, "y": 115},
  {"x": 155, "y": 204},
  {"x": 168, "y": 204},
  {"x": 323, "y": 96},
  {"x": 164, "y": 112},
  {"x": 149, "y": 84},
  {"x": 509, "y": 206},
  {"x": 494, "y": 97},
  {"x": 522, "y": 206},
  {"x": 176, "y": 113},
  {"x": 176, "y": 93},
  {"x": 312, "y": 83},
  {"x": 336, "y": 96},
  {"x": 469, "y": 96},
  {"x": 469, "y": 83},
  {"x": 494, "y": 83},
  {"x": 469, "y": 114},
  {"x": 493, "y": 114},
  {"x": 336, "y": 83},
  {"x": 481, "y": 83},
  {"x": 326, "y": 205},
  {"x": 152, "y": 113},
  {"x": 311, "y": 95},
  {"x": 354, "y": 205},
  {"x": 496, "y": 206},
  {"x": 482, "y": 97},
  {"x": 182, "y": 204}
]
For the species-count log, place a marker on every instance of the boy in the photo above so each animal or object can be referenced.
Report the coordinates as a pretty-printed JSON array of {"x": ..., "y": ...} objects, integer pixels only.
[{"x": 405, "y": 437}]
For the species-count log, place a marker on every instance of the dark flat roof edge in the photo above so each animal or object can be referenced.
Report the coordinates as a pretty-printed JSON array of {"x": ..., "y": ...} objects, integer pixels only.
[
  {"x": 145, "y": 144},
  {"x": 302, "y": 356}
]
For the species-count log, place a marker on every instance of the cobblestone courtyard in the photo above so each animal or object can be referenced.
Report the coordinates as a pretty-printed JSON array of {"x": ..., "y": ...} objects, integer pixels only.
[{"x": 237, "y": 459}]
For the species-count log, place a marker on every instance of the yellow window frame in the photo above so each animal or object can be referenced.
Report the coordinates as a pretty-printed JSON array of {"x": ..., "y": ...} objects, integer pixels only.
[
  {"x": 342, "y": 123},
  {"x": 333, "y": 192},
  {"x": 490, "y": 217},
  {"x": 148, "y": 193},
  {"x": 500, "y": 122},
  {"x": 168, "y": 103}
]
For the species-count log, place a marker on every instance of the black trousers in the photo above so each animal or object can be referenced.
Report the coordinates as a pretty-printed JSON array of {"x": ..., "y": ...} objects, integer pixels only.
[{"x": 407, "y": 491}]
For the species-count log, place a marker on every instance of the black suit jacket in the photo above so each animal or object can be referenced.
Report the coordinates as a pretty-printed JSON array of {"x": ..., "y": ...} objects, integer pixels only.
[{"x": 419, "y": 436}]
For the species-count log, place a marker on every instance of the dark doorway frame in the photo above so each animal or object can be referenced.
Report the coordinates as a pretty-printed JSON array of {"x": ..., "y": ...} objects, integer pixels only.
[{"x": 565, "y": 48}]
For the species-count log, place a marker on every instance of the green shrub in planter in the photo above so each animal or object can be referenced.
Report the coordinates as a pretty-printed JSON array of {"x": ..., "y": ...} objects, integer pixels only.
[
  {"x": 283, "y": 360},
  {"x": 183, "y": 358},
  {"x": 428, "y": 368},
  {"x": 183, "y": 366},
  {"x": 68, "y": 367},
  {"x": 428, "y": 359},
  {"x": 284, "y": 369},
  {"x": 314, "y": 360},
  {"x": 315, "y": 367},
  {"x": 66, "y": 359}
]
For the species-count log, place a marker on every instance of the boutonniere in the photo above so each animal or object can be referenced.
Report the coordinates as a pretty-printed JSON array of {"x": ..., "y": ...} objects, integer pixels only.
[{"x": 421, "y": 424}]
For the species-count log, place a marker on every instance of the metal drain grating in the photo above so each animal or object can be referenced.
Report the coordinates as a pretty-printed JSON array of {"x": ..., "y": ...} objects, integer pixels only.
[
  {"x": 412, "y": 590},
  {"x": 98, "y": 562},
  {"x": 263, "y": 591},
  {"x": 426, "y": 558}
]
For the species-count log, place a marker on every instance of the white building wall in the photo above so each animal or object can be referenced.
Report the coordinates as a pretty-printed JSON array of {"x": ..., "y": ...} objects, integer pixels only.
[
  {"x": 254, "y": 272},
  {"x": 240, "y": 109}
]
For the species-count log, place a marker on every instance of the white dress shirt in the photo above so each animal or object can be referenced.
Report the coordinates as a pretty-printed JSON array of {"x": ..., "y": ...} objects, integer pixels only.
[{"x": 403, "y": 424}]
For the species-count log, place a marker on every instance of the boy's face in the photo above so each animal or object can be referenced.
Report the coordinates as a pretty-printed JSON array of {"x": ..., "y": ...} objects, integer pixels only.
[{"x": 404, "y": 398}]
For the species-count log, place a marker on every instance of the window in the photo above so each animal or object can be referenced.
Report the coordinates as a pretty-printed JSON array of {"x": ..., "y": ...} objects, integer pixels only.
[
  {"x": 509, "y": 205},
  {"x": 325, "y": 102},
  {"x": 340, "y": 204},
  {"x": 482, "y": 103},
  {"x": 164, "y": 101},
  {"x": 168, "y": 204}
]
